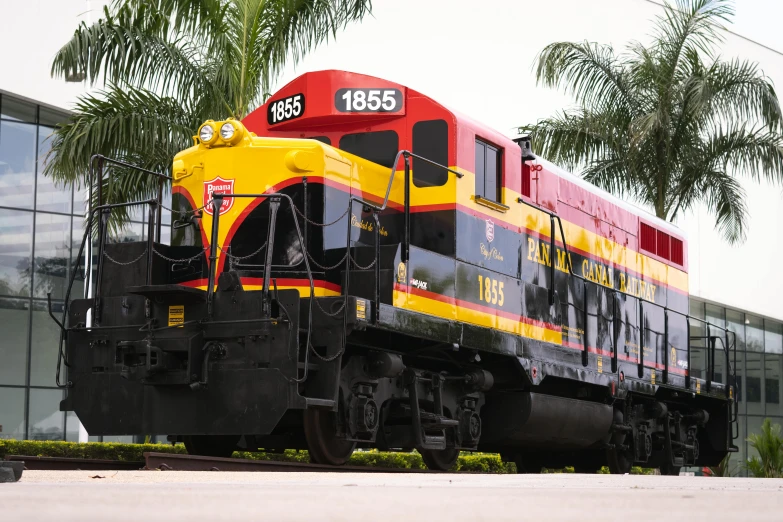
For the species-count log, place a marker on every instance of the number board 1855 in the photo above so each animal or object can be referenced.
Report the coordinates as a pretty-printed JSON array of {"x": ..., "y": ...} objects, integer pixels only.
[
  {"x": 285, "y": 109},
  {"x": 368, "y": 100}
]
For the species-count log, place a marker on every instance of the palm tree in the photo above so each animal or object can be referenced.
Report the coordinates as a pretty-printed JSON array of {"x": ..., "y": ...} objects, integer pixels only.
[
  {"x": 668, "y": 124},
  {"x": 769, "y": 445},
  {"x": 169, "y": 65}
]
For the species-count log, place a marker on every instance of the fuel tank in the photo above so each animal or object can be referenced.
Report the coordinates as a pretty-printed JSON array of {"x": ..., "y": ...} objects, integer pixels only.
[{"x": 529, "y": 419}]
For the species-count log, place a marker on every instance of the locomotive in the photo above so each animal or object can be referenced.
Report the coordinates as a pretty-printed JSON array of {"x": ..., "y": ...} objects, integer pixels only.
[{"x": 354, "y": 265}]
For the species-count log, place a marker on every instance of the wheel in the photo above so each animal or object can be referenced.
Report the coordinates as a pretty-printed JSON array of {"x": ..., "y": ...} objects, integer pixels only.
[
  {"x": 320, "y": 428},
  {"x": 439, "y": 460},
  {"x": 620, "y": 461},
  {"x": 528, "y": 464},
  {"x": 211, "y": 445}
]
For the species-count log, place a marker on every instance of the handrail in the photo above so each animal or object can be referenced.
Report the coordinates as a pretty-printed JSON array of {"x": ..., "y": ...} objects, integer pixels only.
[
  {"x": 406, "y": 154},
  {"x": 62, "y": 323},
  {"x": 552, "y": 257},
  {"x": 217, "y": 202}
]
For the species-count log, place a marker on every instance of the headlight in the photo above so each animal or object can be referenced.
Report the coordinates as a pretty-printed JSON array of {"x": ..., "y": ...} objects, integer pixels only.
[
  {"x": 231, "y": 132},
  {"x": 206, "y": 133},
  {"x": 227, "y": 131}
]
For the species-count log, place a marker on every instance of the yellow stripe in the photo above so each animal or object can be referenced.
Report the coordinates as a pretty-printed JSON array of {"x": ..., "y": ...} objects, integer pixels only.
[
  {"x": 437, "y": 308},
  {"x": 358, "y": 174},
  {"x": 304, "y": 291}
]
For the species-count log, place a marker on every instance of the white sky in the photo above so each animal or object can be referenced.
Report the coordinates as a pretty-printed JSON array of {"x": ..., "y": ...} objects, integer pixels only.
[{"x": 477, "y": 57}]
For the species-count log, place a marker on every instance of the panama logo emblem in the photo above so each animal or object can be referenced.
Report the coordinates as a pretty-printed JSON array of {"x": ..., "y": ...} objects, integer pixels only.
[
  {"x": 218, "y": 186},
  {"x": 490, "y": 230}
]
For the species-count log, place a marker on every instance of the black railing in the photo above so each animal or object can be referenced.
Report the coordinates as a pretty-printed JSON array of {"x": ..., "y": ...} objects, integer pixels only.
[{"x": 641, "y": 327}]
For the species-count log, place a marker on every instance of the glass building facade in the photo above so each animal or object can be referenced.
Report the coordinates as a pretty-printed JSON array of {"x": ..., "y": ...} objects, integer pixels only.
[
  {"x": 759, "y": 366},
  {"x": 41, "y": 226}
]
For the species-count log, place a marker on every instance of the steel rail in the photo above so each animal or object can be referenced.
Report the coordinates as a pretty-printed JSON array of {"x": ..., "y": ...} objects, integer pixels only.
[{"x": 179, "y": 462}]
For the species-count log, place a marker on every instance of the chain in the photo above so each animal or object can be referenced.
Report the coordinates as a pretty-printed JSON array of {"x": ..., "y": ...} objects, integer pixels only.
[
  {"x": 240, "y": 258},
  {"x": 171, "y": 260},
  {"x": 326, "y": 268},
  {"x": 327, "y": 359},
  {"x": 321, "y": 224},
  {"x": 107, "y": 256},
  {"x": 360, "y": 267},
  {"x": 331, "y": 314}
]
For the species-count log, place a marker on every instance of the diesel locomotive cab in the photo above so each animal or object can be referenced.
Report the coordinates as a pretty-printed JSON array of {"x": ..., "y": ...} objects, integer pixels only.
[{"x": 354, "y": 265}]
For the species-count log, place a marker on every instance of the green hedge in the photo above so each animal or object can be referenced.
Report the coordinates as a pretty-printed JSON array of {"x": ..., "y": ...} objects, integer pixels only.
[
  {"x": 476, "y": 462},
  {"x": 89, "y": 450},
  {"x": 473, "y": 462}
]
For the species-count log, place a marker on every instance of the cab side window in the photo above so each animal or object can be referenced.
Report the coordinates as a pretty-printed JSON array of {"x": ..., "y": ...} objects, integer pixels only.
[
  {"x": 488, "y": 171},
  {"x": 379, "y": 147},
  {"x": 431, "y": 141}
]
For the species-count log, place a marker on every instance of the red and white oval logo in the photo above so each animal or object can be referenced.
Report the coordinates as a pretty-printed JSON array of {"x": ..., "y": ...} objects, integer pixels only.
[{"x": 218, "y": 186}]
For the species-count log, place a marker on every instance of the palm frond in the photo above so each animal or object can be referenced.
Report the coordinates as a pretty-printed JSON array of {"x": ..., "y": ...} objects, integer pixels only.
[
  {"x": 688, "y": 27},
  {"x": 737, "y": 90},
  {"x": 291, "y": 28},
  {"x": 131, "y": 125},
  {"x": 589, "y": 71},
  {"x": 141, "y": 51},
  {"x": 578, "y": 137}
]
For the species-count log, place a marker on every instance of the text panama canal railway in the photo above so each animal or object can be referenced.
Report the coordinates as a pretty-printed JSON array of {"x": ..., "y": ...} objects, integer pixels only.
[{"x": 356, "y": 266}]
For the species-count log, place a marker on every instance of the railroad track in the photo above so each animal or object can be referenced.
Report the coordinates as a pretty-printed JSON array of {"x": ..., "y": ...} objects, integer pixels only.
[{"x": 178, "y": 462}]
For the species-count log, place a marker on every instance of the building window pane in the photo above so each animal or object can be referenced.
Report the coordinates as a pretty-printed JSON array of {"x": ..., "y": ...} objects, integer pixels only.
[
  {"x": 46, "y": 419},
  {"x": 52, "y": 250},
  {"x": 12, "y": 425},
  {"x": 50, "y": 117},
  {"x": 754, "y": 333},
  {"x": 16, "y": 229},
  {"x": 17, "y": 164},
  {"x": 698, "y": 364},
  {"x": 71, "y": 427},
  {"x": 48, "y": 196},
  {"x": 772, "y": 373},
  {"x": 715, "y": 316},
  {"x": 754, "y": 427},
  {"x": 754, "y": 386},
  {"x": 77, "y": 263},
  {"x": 130, "y": 232},
  {"x": 165, "y": 215},
  {"x": 742, "y": 444},
  {"x": 14, "y": 109},
  {"x": 80, "y": 203},
  {"x": 15, "y": 318},
  {"x": 44, "y": 344},
  {"x": 773, "y": 337},
  {"x": 739, "y": 367},
  {"x": 736, "y": 323}
]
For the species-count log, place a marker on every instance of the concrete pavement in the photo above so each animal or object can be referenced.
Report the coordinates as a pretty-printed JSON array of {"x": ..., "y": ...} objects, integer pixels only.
[{"x": 142, "y": 496}]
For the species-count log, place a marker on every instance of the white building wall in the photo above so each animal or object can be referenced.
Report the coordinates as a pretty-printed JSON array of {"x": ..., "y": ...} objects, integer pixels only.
[{"x": 477, "y": 58}]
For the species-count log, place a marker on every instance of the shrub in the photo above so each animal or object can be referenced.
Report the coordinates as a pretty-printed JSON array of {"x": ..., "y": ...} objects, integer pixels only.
[
  {"x": 473, "y": 462},
  {"x": 769, "y": 445}
]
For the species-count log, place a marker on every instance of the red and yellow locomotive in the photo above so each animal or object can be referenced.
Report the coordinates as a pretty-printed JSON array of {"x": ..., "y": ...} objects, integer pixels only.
[{"x": 354, "y": 265}]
